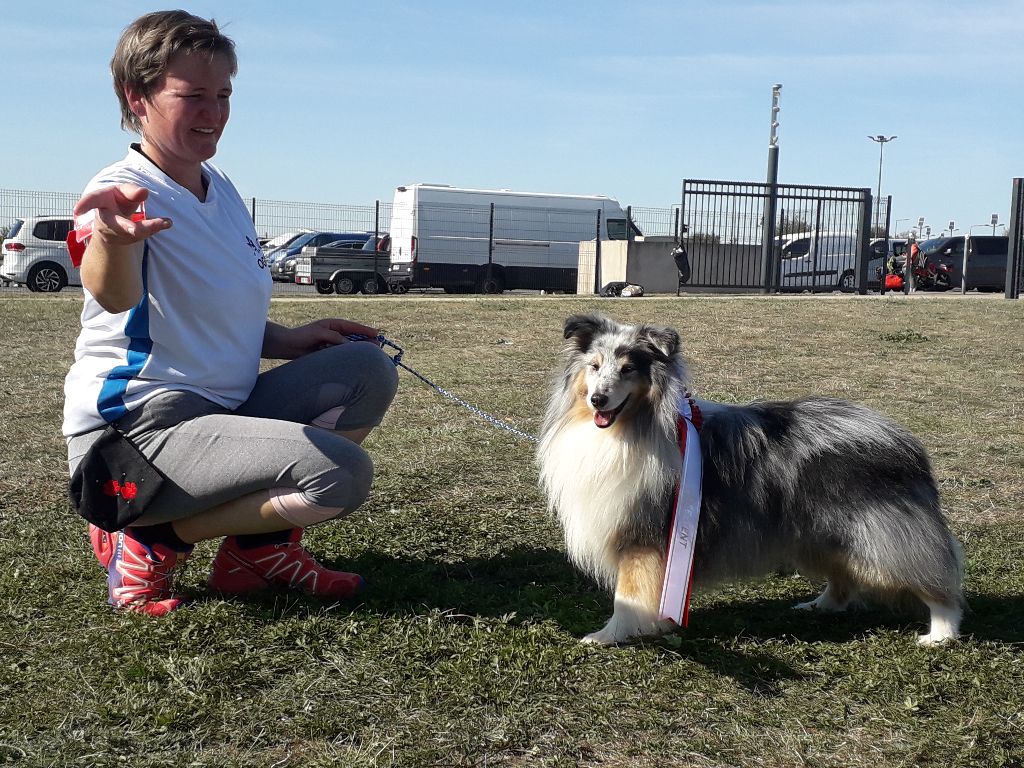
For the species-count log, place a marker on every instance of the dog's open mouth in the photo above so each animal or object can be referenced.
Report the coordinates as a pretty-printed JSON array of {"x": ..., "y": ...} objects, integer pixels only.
[{"x": 605, "y": 419}]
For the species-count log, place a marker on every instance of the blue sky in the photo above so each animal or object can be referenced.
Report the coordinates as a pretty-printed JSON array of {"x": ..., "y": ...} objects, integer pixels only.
[{"x": 340, "y": 102}]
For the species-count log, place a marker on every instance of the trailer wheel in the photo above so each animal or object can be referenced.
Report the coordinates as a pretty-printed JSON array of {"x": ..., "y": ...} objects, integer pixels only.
[
  {"x": 344, "y": 285},
  {"x": 370, "y": 286},
  {"x": 490, "y": 280},
  {"x": 324, "y": 286},
  {"x": 490, "y": 285},
  {"x": 399, "y": 287}
]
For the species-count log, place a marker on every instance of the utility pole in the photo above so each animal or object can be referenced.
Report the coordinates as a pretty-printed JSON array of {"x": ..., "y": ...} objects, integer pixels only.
[
  {"x": 882, "y": 141},
  {"x": 771, "y": 202}
]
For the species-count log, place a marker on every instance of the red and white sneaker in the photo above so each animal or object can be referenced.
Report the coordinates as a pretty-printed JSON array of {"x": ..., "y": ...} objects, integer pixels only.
[
  {"x": 140, "y": 578},
  {"x": 102, "y": 545},
  {"x": 237, "y": 571}
]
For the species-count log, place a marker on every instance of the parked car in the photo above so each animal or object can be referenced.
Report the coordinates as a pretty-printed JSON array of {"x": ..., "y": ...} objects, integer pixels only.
[
  {"x": 280, "y": 241},
  {"x": 986, "y": 259},
  {"x": 35, "y": 254},
  {"x": 282, "y": 261}
]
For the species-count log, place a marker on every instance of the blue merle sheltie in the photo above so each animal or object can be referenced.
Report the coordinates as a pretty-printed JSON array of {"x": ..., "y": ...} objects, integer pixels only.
[{"x": 824, "y": 486}]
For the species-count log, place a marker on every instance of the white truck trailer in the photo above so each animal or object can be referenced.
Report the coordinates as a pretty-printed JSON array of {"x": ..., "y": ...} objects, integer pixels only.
[{"x": 488, "y": 241}]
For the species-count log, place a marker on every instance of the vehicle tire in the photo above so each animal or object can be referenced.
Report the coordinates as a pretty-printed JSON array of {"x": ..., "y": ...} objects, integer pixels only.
[
  {"x": 370, "y": 286},
  {"x": 344, "y": 285},
  {"x": 490, "y": 283},
  {"x": 399, "y": 288},
  {"x": 943, "y": 282},
  {"x": 847, "y": 282},
  {"x": 324, "y": 286},
  {"x": 46, "y": 277}
]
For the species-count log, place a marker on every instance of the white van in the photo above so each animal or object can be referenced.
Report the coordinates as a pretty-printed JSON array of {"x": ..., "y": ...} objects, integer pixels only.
[
  {"x": 444, "y": 237},
  {"x": 818, "y": 260}
]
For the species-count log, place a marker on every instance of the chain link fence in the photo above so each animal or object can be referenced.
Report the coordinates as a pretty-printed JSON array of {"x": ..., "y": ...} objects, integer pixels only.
[{"x": 479, "y": 247}]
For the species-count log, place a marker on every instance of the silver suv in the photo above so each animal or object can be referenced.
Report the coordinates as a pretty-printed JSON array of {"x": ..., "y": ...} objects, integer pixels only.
[{"x": 35, "y": 254}]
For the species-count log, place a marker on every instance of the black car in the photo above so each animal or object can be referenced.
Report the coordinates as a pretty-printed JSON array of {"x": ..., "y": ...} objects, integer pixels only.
[{"x": 986, "y": 259}]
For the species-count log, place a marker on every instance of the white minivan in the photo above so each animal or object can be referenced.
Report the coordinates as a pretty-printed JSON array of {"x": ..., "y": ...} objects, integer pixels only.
[
  {"x": 491, "y": 240},
  {"x": 818, "y": 261}
]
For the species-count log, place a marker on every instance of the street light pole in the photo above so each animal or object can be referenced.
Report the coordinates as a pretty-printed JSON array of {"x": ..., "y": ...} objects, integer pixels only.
[{"x": 881, "y": 141}]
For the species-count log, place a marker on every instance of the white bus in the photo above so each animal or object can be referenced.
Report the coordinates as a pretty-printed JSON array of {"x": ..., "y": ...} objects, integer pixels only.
[{"x": 484, "y": 240}]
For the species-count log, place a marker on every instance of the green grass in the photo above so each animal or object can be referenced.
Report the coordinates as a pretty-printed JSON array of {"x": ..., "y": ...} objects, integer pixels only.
[{"x": 465, "y": 650}]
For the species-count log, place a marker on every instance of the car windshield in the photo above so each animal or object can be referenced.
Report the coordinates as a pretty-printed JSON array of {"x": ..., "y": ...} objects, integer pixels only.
[
  {"x": 281, "y": 240},
  {"x": 797, "y": 248},
  {"x": 383, "y": 243},
  {"x": 934, "y": 244}
]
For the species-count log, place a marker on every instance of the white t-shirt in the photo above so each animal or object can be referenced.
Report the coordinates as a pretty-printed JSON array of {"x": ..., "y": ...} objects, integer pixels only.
[{"x": 200, "y": 323}]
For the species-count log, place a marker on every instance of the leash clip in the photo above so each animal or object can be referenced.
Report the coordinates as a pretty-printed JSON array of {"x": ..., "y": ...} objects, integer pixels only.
[{"x": 382, "y": 341}]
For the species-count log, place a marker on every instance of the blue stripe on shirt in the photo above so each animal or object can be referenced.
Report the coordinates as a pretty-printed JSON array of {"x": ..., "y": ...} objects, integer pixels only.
[{"x": 111, "y": 399}]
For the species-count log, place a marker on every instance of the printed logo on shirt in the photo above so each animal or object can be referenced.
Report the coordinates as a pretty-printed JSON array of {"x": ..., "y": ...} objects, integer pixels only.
[{"x": 261, "y": 259}]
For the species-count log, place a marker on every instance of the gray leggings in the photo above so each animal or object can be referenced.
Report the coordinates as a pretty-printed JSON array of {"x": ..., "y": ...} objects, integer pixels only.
[{"x": 210, "y": 454}]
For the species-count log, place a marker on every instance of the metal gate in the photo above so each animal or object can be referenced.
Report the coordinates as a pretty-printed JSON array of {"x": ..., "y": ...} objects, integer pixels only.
[
  {"x": 740, "y": 235},
  {"x": 1015, "y": 253}
]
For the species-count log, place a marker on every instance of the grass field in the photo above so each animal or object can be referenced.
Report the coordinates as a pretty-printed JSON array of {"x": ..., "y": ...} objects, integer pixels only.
[{"x": 464, "y": 650}]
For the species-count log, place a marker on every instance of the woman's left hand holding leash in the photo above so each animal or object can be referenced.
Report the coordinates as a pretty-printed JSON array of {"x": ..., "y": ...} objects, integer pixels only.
[{"x": 285, "y": 343}]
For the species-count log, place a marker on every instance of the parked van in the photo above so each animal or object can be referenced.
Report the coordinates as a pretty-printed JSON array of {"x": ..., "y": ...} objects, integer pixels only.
[
  {"x": 446, "y": 237},
  {"x": 818, "y": 261},
  {"x": 986, "y": 259}
]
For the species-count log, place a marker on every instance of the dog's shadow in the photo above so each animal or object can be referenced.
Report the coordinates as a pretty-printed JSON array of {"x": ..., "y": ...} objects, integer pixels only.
[{"x": 539, "y": 585}]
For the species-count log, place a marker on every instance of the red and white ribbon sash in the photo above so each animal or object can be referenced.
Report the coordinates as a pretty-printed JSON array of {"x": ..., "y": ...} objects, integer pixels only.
[{"x": 678, "y": 581}]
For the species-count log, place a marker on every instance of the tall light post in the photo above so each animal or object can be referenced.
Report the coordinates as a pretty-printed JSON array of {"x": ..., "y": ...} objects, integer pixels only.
[
  {"x": 881, "y": 141},
  {"x": 768, "y": 265}
]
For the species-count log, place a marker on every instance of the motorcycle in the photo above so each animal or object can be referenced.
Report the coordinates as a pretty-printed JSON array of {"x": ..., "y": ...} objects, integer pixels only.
[{"x": 933, "y": 277}]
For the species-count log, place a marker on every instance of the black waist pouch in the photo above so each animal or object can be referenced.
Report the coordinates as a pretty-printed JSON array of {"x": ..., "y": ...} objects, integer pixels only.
[{"x": 114, "y": 482}]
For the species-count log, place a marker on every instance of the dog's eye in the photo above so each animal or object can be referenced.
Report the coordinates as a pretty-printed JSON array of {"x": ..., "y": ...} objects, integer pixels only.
[
  {"x": 627, "y": 369},
  {"x": 594, "y": 366}
]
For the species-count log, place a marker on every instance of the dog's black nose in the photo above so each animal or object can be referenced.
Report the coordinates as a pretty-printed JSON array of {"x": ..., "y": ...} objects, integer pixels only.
[{"x": 598, "y": 400}]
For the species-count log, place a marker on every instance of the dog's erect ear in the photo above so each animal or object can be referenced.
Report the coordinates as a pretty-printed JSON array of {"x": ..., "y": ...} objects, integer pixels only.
[
  {"x": 665, "y": 340},
  {"x": 583, "y": 328}
]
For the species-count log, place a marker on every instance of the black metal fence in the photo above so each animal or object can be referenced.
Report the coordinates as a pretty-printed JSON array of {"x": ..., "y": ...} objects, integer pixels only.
[
  {"x": 723, "y": 224},
  {"x": 817, "y": 239}
]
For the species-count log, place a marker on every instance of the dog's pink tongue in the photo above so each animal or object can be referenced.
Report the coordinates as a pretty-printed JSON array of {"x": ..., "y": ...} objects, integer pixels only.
[{"x": 603, "y": 419}]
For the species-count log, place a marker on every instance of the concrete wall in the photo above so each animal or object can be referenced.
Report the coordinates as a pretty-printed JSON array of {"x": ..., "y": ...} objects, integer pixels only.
[{"x": 645, "y": 261}]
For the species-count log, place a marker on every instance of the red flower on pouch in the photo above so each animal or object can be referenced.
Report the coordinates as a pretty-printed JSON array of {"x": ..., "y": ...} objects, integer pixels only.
[{"x": 126, "y": 490}]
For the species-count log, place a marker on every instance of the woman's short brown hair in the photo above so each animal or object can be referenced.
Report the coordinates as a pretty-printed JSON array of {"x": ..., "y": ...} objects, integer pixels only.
[{"x": 147, "y": 46}]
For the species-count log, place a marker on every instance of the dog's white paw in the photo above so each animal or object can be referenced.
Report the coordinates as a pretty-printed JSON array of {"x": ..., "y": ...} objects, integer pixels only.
[
  {"x": 601, "y": 637},
  {"x": 935, "y": 638},
  {"x": 825, "y": 602}
]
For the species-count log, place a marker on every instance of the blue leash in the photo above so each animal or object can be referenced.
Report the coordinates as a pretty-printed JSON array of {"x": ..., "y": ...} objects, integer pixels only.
[{"x": 397, "y": 360}]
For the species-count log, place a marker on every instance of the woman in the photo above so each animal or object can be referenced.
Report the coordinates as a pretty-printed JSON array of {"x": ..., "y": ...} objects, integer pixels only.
[{"x": 173, "y": 329}]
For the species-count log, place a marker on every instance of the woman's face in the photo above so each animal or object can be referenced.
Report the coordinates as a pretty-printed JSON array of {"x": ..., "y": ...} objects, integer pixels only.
[{"x": 184, "y": 117}]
